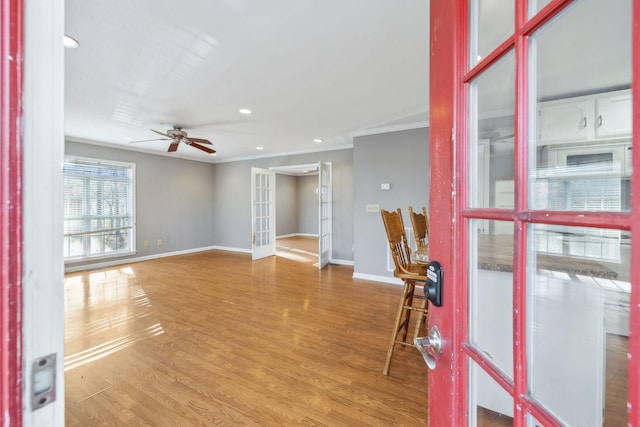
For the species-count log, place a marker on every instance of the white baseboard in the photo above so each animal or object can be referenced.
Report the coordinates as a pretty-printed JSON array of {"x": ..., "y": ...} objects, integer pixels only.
[
  {"x": 341, "y": 262},
  {"x": 97, "y": 265},
  {"x": 120, "y": 261},
  {"x": 374, "y": 278},
  {"x": 284, "y": 236},
  {"x": 229, "y": 249}
]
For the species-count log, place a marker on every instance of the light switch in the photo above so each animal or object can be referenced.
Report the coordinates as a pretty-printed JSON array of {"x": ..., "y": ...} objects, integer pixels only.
[
  {"x": 385, "y": 186},
  {"x": 373, "y": 207}
]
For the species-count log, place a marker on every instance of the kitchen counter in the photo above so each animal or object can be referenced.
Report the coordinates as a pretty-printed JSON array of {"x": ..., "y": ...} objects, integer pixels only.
[{"x": 495, "y": 253}]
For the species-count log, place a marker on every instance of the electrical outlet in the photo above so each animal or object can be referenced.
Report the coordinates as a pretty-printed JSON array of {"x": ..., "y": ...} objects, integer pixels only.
[
  {"x": 159, "y": 242},
  {"x": 373, "y": 207},
  {"x": 146, "y": 244}
]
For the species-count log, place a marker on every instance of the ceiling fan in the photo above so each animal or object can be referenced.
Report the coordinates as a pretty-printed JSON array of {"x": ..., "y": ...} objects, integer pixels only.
[{"x": 177, "y": 135}]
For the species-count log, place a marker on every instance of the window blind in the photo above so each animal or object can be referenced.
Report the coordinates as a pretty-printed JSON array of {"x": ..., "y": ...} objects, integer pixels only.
[{"x": 98, "y": 208}]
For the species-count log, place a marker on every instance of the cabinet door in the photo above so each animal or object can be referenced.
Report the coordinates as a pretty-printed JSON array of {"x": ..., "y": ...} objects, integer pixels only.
[
  {"x": 565, "y": 121},
  {"x": 614, "y": 115}
]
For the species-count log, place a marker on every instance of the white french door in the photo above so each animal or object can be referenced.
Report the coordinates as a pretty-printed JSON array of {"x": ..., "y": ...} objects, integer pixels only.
[
  {"x": 324, "y": 214},
  {"x": 263, "y": 211}
]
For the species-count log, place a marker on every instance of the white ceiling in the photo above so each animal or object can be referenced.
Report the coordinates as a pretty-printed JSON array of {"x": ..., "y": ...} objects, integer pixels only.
[{"x": 308, "y": 69}]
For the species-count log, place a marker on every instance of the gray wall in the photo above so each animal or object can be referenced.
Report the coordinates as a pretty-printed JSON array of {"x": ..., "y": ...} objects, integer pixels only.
[
  {"x": 402, "y": 160},
  {"x": 190, "y": 204},
  {"x": 174, "y": 199},
  {"x": 232, "y": 188},
  {"x": 286, "y": 204},
  {"x": 308, "y": 205}
]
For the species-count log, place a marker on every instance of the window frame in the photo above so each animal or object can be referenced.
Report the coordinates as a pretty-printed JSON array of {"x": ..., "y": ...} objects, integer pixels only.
[{"x": 132, "y": 246}]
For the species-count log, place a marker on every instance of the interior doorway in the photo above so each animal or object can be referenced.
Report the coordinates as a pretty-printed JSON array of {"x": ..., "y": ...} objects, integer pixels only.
[{"x": 304, "y": 198}]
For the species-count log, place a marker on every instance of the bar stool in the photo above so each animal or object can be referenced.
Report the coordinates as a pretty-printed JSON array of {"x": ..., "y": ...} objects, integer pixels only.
[
  {"x": 420, "y": 224},
  {"x": 410, "y": 274}
]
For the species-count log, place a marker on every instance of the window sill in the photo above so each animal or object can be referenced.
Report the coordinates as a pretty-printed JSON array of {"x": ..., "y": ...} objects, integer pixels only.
[{"x": 83, "y": 260}]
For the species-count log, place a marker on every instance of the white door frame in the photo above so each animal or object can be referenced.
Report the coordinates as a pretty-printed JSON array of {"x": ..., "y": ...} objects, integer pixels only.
[{"x": 325, "y": 245}]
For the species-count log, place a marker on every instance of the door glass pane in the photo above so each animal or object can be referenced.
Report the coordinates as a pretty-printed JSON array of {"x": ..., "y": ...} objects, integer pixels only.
[
  {"x": 489, "y": 404},
  {"x": 532, "y": 422},
  {"x": 491, "y": 130},
  {"x": 536, "y": 5},
  {"x": 491, "y": 294},
  {"x": 578, "y": 317},
  {"x": 580, "y": 138},
  {"x": 491, "y": 22}
]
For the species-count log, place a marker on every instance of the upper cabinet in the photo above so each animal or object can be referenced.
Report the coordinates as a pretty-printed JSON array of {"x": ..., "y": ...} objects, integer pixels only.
[
  {"x": 565, "y": 121},
  {"x": 613, "y": 115},
  {"x": 585, "y": 118}
]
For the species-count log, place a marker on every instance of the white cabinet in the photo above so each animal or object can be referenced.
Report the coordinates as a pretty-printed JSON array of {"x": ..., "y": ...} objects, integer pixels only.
[
  {"x": 565, "y": 121},
  {"x": 565, "y": 344},
  {"x": 585, "y": 118},
  {"x": 613, "y": 115}
]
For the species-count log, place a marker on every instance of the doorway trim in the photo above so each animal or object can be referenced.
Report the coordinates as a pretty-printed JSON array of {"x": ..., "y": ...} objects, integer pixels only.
[{"x": 325, "y": 203}]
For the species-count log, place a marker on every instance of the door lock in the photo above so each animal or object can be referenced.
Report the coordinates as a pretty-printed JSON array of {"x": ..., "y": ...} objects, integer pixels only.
[
  {"x": 430, "y": 346},
  {"x": 433, "y": 286}
]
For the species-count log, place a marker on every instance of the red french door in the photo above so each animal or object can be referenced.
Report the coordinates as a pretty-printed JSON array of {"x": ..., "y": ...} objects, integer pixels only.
[
  {"x": 534, "y": 209},
  {"x": 11, "y": 53}
]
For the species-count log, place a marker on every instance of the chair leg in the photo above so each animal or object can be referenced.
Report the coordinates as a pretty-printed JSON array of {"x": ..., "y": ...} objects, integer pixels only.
[
  {"x": 402, "y": 322},
  {"x": 422, "y": 316}
]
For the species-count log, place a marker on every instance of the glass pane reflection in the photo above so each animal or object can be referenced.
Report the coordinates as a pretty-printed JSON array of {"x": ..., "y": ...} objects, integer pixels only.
[
  {"x": 491, "y": 130},
  {"x": 578, "y": 312},
  {"x": 581, "y": 136},
  {"x": 489, "y": 404},
  {"x": 532, "y": 422},
  {"x": 536, "y": 5},
  {"x": 491, "y": 23},
  {"x": 491, "y": 293}
]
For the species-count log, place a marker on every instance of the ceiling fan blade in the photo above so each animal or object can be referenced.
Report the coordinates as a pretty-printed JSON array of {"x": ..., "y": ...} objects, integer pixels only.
[
  {"x": 173, "y": 147},
  {"x": 202, "y": 147},
  {"x": 160, "y": 133},
  {"x": 148, "y": 140},
  {"x": 200, "y": 140}
]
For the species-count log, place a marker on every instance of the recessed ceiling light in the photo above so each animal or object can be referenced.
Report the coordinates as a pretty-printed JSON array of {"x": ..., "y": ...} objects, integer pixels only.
[
  {"x": 317, "y": 140},
  {"x": 259, "y": 148},
  {"x": 244, "y": 111},
  {"x": 70, "y": 42}
]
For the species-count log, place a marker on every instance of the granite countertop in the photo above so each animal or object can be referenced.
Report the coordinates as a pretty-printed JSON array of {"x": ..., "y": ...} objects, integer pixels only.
[{"x": 495, "y": 252}]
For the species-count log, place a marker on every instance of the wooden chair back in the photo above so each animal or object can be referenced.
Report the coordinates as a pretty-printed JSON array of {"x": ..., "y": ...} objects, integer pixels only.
[
  {"x": 420, "y": 223},
  {"x": 397, "y": 238}
]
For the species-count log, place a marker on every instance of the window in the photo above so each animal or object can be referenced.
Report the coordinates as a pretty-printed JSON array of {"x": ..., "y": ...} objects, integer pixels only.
[{"x": 99, "y": 215}]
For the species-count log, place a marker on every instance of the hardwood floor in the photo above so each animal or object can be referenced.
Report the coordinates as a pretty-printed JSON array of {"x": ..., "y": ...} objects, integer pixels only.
[{"x": 216, "y": 339}]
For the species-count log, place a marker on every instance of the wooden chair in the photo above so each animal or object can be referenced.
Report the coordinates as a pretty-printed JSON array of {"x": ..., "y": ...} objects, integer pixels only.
[
  {"x": 410, "y": 274},
  {"x": 420, "y": 224}
]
